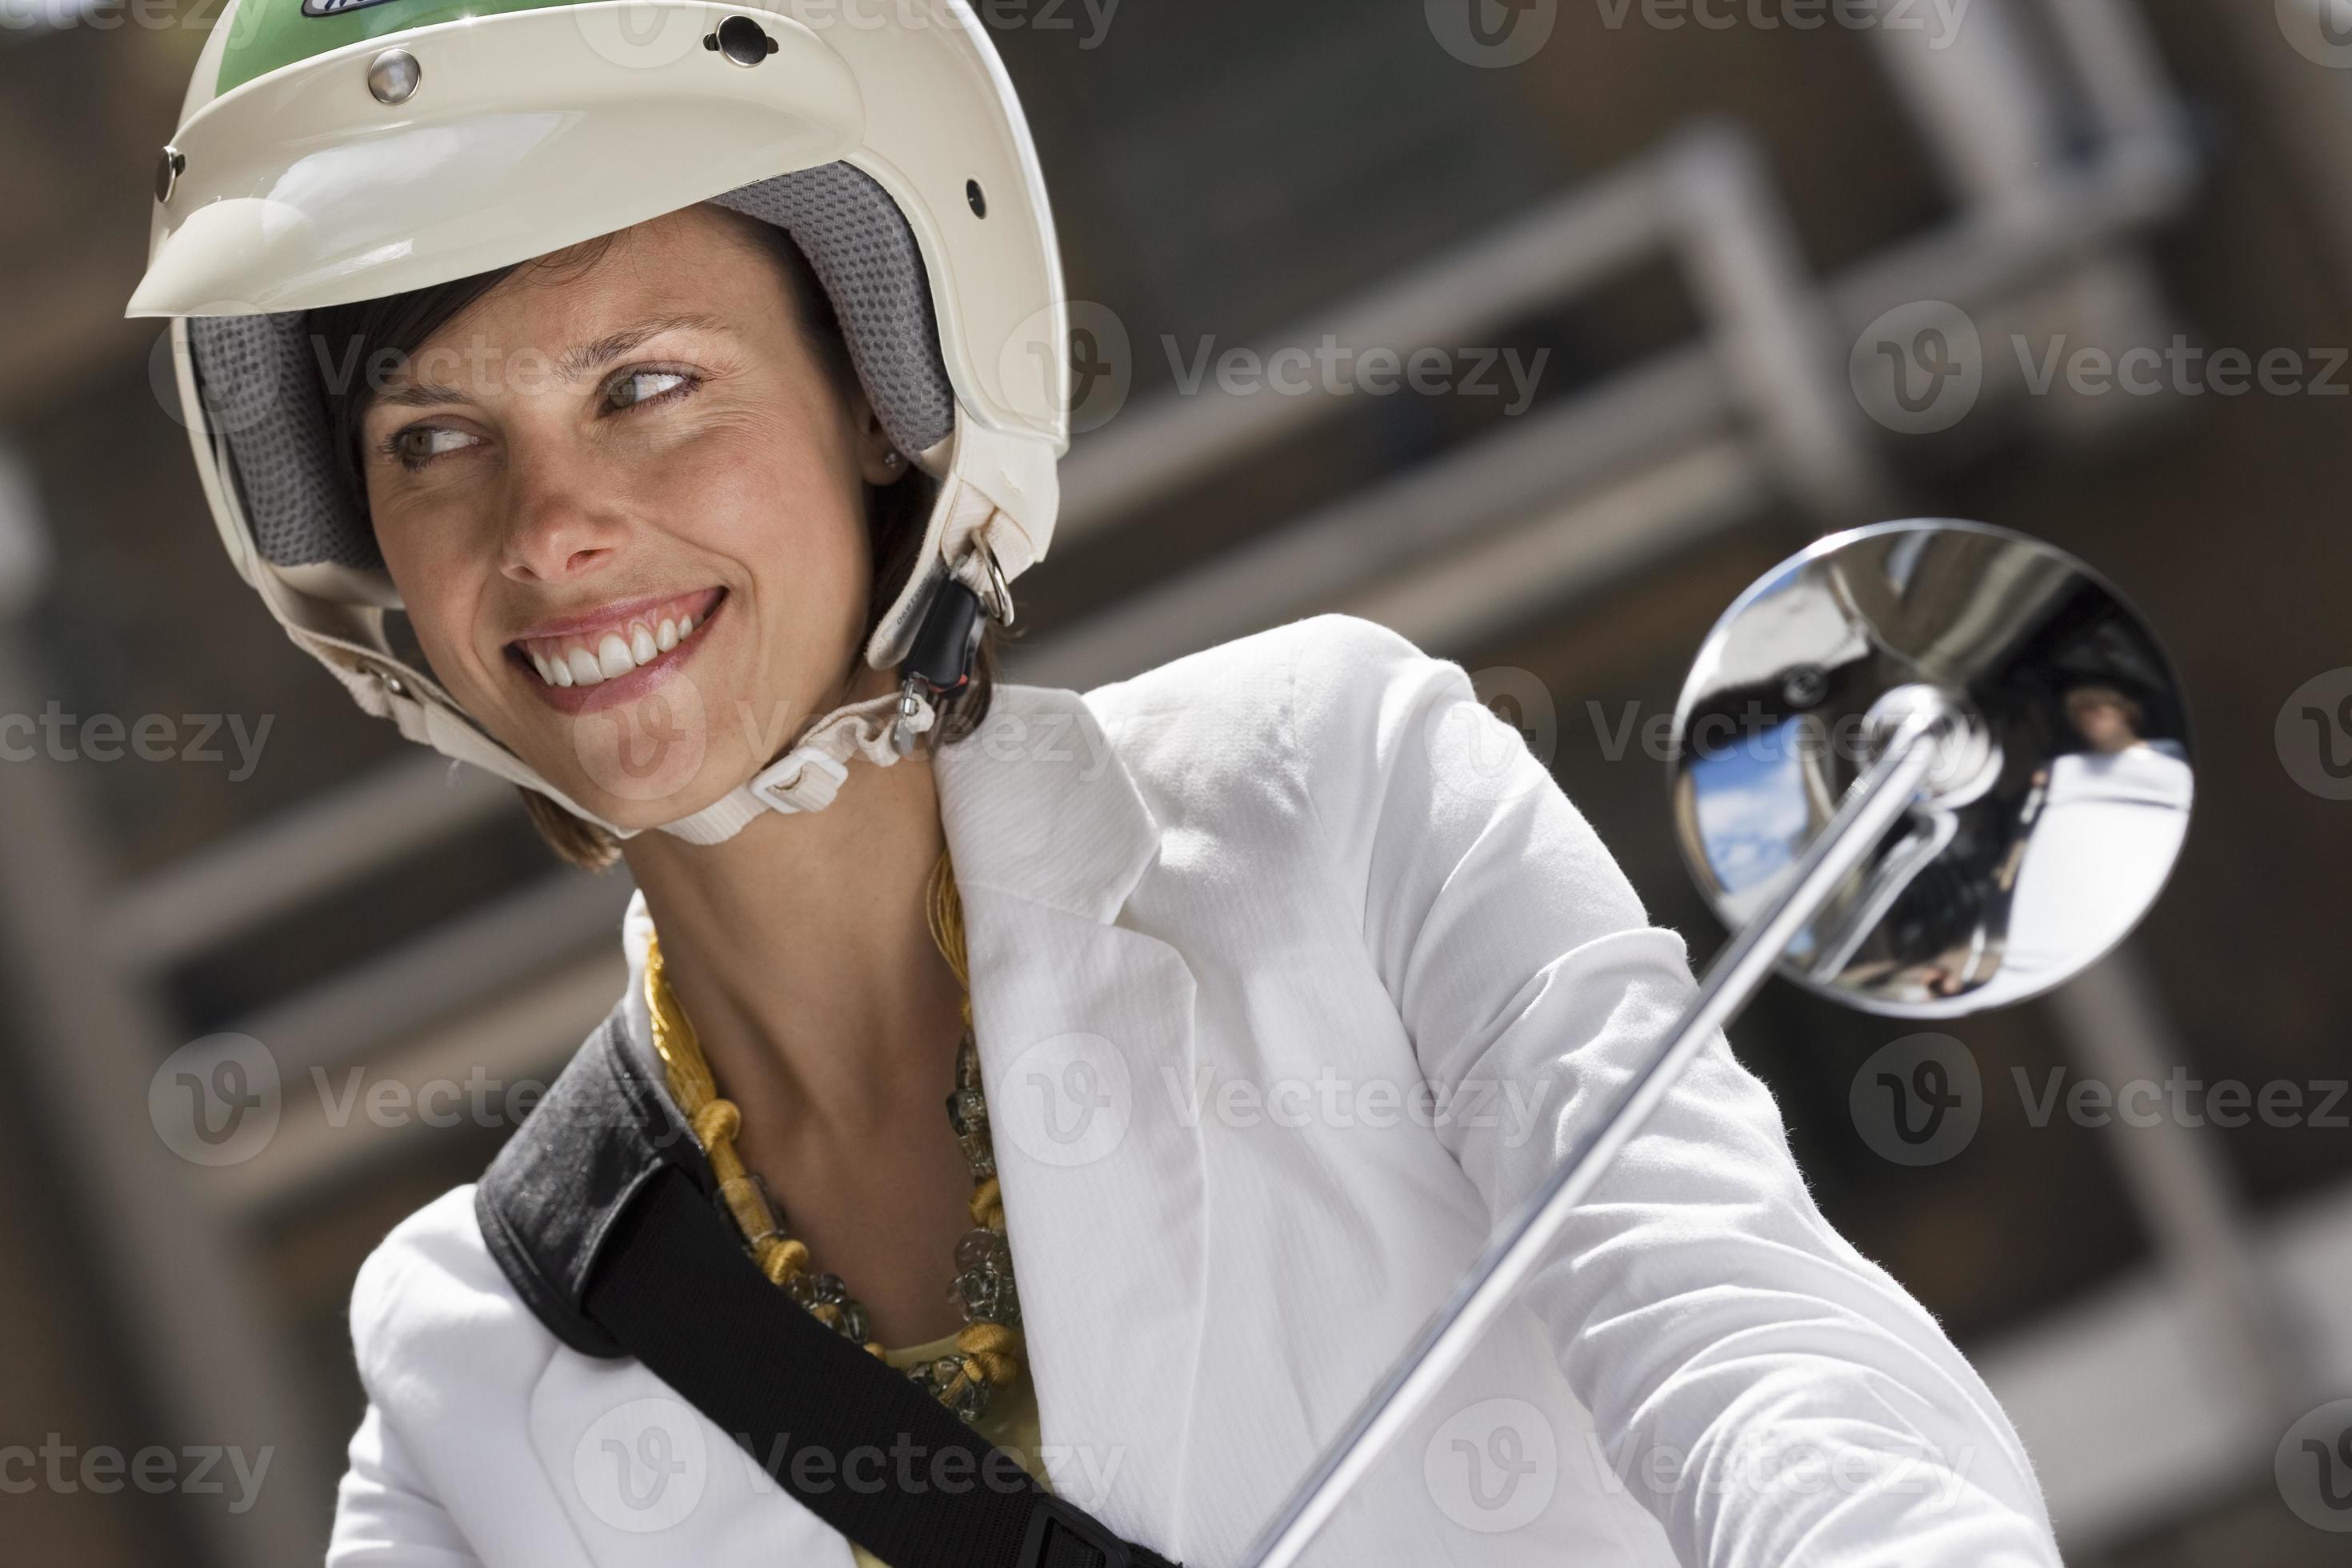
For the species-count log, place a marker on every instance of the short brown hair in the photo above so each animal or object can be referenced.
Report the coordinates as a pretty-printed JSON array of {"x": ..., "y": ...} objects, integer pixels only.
[{"x": 896, "y": 515}]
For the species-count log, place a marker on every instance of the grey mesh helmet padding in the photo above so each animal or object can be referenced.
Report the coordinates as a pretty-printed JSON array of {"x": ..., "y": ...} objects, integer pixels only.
[{"x": 857, "y": 243}]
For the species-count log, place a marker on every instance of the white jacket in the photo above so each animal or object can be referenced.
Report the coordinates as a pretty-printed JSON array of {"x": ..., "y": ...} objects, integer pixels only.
[{"x": 1290, "y": 966}]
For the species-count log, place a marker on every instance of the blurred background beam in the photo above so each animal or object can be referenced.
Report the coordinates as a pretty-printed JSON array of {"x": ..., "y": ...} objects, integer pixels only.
[
  {"x": 218, "y": 893},
  {"x": 182, "y": 1279},
  {"x": 2256, "y": 1357}
]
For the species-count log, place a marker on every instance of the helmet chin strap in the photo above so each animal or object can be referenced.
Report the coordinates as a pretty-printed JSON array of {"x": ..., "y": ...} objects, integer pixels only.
[
  {"x": 807, "y": 777},
  {"x": 880, "y": 729},
  {"x": 993, "y": 481}
]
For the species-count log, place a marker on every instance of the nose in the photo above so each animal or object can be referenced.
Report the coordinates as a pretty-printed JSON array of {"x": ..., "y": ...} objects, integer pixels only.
[{"x": 560, "y": 524}]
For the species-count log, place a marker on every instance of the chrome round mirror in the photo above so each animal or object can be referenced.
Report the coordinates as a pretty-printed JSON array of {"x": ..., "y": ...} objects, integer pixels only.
[{"x": 2050, "y": 831}]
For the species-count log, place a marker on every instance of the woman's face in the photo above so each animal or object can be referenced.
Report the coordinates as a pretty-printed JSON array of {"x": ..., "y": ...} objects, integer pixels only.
[
  {"x": 625, "y": 508},
  {"x": 2101, "y": 717}
]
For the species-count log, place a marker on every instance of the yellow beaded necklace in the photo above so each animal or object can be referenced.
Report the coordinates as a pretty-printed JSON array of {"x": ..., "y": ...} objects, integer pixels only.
[{"x": 990, "y": 1342}]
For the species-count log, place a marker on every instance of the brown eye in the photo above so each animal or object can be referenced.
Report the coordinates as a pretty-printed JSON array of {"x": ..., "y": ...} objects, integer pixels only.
[
  {"x": 662, "y": 383},
  {"x": 418, "y": 444}
]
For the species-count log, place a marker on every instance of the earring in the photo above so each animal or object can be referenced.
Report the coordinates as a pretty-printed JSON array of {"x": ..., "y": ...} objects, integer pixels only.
[{"x": 890, "y": 459}]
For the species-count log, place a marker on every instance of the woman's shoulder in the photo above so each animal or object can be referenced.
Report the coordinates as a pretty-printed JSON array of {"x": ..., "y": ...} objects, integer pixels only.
[
  {"x": 1304, "y": 680},
  {"x": 1325, "y": 707},
  {"x": 431, "y": 1292},
  {"x": 1319, "y": 648}
]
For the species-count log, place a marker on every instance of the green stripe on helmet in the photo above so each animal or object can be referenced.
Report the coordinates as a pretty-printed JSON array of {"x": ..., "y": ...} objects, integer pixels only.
[{"x": 266, "y": 35}]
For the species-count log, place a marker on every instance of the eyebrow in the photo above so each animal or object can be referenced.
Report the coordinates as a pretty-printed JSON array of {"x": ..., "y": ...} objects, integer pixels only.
[{"x": 575, "y": 363}]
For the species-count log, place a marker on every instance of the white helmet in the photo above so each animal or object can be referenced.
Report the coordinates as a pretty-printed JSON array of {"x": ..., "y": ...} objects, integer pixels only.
[{"x": 332, "y": 151}]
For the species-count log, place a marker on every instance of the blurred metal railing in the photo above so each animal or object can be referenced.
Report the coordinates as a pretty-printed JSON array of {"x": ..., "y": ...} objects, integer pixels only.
[{"x": 198, "y": 1334}]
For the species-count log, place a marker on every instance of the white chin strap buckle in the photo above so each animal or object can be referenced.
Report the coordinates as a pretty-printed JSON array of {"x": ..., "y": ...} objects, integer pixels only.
[
  {"x": 800, "y": 780},
  {"x": 881, "y": 728},
  {"x": 811, "y": 774}
]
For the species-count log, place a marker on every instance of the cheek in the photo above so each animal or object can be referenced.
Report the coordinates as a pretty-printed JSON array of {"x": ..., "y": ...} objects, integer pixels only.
[
  {"x": 438, "y": 585},
  {"x": 792, "y": 516}
]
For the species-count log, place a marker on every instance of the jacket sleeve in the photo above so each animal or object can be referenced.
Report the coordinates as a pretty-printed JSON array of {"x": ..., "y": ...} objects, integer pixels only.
[
  {"x": 389, "y": 1511},
  {"x": 1772, "y": 1396},
  {"x": 383, "y": 1516}
]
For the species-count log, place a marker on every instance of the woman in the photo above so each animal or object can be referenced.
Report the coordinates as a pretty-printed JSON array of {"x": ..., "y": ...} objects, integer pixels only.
[{"x": 1257, "y": 985}]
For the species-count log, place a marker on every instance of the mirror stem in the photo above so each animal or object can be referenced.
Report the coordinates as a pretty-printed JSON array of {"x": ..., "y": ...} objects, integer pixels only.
[{"x": 1875, "y": 803}]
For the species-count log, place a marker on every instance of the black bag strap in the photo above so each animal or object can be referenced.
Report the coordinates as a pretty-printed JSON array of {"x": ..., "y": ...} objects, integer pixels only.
[{"x": 887, "y": 1464}]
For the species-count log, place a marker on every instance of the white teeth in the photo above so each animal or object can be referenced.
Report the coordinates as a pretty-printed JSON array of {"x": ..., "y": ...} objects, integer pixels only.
[{"x": 615, "y": 653}]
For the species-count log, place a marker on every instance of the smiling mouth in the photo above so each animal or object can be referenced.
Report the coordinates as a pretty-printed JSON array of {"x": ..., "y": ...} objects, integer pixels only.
[{"x": 613, "y": 648}]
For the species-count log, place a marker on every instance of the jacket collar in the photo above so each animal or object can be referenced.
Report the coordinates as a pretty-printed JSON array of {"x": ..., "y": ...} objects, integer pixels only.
[
  {"x": 1038, "y": 805},
  {"x": 1085, "y": 1025}
]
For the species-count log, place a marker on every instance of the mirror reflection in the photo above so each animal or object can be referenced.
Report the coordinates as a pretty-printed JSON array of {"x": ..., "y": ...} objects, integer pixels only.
[{"x": 2022, "y": 874}]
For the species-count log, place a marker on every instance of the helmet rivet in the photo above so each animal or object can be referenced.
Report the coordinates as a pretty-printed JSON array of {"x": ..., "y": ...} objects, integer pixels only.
[
  {"x": 393, "y": 75},
  {"x": 168, "y": 170},
  {"x": 741, "y": 41}
]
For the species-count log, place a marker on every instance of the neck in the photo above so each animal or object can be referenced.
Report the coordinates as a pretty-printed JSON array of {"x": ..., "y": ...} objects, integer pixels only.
[{"x": 802, "y": 952}]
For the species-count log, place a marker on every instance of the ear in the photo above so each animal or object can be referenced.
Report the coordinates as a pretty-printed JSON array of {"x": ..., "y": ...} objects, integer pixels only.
[{"x": 878, "y": 461}]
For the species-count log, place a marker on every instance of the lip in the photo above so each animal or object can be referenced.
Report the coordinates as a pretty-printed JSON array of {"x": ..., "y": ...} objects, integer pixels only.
[
  {"x": 608, "y": 618},
  {"x": 638, "y": 682}
]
